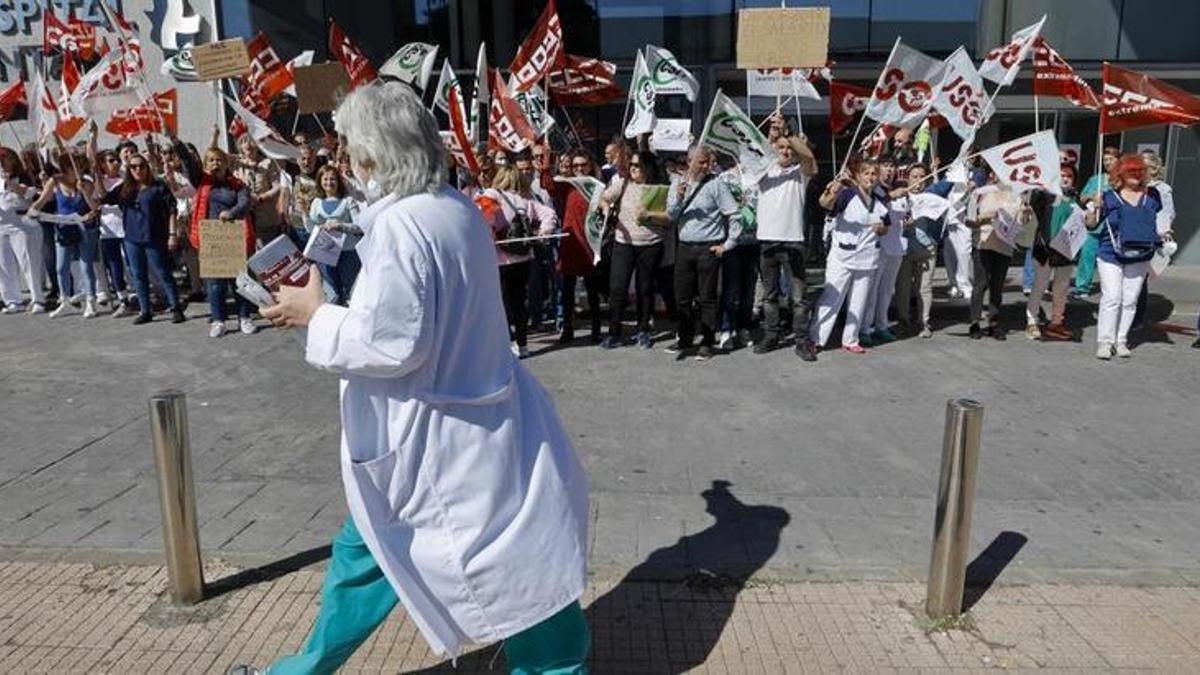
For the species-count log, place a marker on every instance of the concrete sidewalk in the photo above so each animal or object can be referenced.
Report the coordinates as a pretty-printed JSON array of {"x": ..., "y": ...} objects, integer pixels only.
[{"x": 80, "y": 618}]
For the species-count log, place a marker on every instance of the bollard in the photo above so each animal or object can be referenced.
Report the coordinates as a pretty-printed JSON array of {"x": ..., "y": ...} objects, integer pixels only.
[
  {"x": 956, "y": 498},
  {"x": 177, "y": 496}
]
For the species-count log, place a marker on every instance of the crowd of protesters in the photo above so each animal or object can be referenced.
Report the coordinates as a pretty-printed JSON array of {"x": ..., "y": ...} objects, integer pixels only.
[{"x": 726, "y": 265}]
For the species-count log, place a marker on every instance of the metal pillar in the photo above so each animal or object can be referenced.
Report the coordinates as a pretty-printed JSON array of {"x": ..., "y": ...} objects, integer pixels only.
[
  {"x": 177, "y": 496},
  {"x": 956, "y": 499}
]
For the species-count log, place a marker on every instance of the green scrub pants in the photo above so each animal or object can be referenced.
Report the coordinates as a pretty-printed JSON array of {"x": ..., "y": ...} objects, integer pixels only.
[
  {"x": 357, "y": 597},
  {"x": 1085, "y": 268}
]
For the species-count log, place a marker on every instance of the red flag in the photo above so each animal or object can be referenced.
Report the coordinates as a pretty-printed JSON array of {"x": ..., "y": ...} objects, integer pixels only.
[
  {"x": 55, "y": 34},
  {"x": 508, "y": 128},
  {"x": 268, "y": 75},
  {"x": 460, "y": 137},
  {"x": 358, "y": 66},
  {"x": 162, "y": 108},
  {"x": 846, "y": 101},
  {"x": 873, "y": 145},
  {"x": 541, "y": 52},
  {"x": 1053, "y": 76},
  {"x": 13, "y": 104},
  {"x": 584, "y": 81},
  {"x": 68, "y": 124},
  {"x": 84, "y": 35},
  {"x": 256, "y": 104},
  {"x": 1133, "y": 100}
]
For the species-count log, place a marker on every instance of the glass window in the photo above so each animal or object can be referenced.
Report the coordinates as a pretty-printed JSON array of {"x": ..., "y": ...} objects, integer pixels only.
[
  {"x": 1153, "y": 30},
  {"x": 1083, "y": 29},
  {"x": 935, "y": 26},
  {"x": 696, "y": 31}
]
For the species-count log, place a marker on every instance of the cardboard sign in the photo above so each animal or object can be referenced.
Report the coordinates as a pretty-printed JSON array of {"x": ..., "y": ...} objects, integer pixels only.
[
  {"x": 320, "y": 87},
  {"x": 783, "y": 38},
  {"x": 222, "y": 249},
  {"x": 219, "y": 60},
  {"x": 671, "y": 135}
]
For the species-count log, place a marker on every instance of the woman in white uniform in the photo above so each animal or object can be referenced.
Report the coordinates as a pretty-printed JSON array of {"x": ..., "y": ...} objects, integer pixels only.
[
  {"x": 859, "y": 220},
  {"x": 468, "y": 502},
  {"x": 892, "y": 247},
  {"x": 20, "y": 240}
]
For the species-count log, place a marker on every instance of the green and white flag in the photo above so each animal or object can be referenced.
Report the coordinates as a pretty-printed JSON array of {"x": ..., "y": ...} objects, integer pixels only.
[
  {"x": 591, "y": 189},
  {"x": 731, "y": 131},
  {"x": 668, "y": 76},
  {"x": 533, "y": 104},
  {"x": 641, "y": 99},
  {"x": 412, "y": 63},
  {"x": 447, "y": 81}
]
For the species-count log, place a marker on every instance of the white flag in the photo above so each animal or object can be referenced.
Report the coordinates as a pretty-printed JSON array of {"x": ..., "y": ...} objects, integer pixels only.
[
  {"x": 481, "y": 100},
  {"x": 729, "y": 130},
  {"x": 106, "y": 87},
  {"x": 1002, "y": 64},
  {"x": 1070, "y": 238},
  {"x": 533, "y": 104},
  {"x": 441, "y": 96},
  {"x": 304, "y": 60},
  {"x": 641, "y": 97},
  {"x": 961, "y": 98},
  {"x": 1028, "y": 163},
  {"x": 43, "y": 112},
  {"x": 668, "y": 76},
  {"x": 780, "y": 82},
  {"x": 412, "y": 63},
  {"x": 266, "y": 138},
  {"x": 905, "y": 90},
  {"x": 591, "y": 189},
  {"x": 928, "y": 205}
]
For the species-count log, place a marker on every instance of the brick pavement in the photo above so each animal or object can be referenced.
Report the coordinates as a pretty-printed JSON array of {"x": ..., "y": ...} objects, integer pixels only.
[{"x": 84, "y": 618}]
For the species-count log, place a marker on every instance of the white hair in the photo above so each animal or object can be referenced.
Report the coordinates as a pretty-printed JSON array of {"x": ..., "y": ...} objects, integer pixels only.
[{"x": 389, "y": 131}]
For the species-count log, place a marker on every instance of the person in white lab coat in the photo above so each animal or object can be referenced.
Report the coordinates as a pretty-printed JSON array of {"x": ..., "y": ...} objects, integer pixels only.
[
  {"x": 467, "y": 500},
  {"x": 860, "y": 218},
  {"x": 20, "y": 240}
]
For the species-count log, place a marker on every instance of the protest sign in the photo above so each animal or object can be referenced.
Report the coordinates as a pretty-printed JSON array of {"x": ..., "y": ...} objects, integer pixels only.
[
  {"x": 219, "y": 60},
  {"x": 671, "y": 135},
  {"x": 222, "y": 249},
  {"x": 320, "y": 88},
  {"x": 783, "y": 38},
  {"x": 1071, "y": 237}
]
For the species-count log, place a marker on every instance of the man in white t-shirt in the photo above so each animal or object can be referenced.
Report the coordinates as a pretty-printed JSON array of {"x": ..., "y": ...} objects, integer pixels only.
[{"x": 780, "y": 217}]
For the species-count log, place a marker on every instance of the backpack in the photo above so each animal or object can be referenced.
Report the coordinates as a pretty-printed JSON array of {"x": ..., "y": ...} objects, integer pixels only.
[{"x": 1135, "y": 236}]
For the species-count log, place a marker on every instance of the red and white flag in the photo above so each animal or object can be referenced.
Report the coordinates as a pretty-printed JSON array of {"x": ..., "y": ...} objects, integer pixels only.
[
  {"x": 1002, "y": 64},
  {"x": 584, "y": 81},
  {"x": 507, "y": 127},
  {"x": 303, "y": 60},
  {"x": 268, "y": 76},
  {"x": 267, "y": 139},
  {"x": 961, "y": 98},
  {"x": 1053, "y": 76},
  {"x": 846, "y": 101},
  {"x": 13, "y": 103},
  {"x": 1133, "y": 100},
  {"x": 460, "y": 136},
  {"x": 69, "y": 123},
  {"x": 107, "y": 87},
  {"x": 905, "y": 90},
  {"x": 541, "y": 52},
  {"x": 1028, "y": 163},
  {"x": 149, "y": 117},
  {"x": 873, "y": 145},
  {"x": 84, "y": 35},
  {"x": 55, "y": 34},
  {"x": 43, "y": 111},
  {"x": 358, "y": 66}
]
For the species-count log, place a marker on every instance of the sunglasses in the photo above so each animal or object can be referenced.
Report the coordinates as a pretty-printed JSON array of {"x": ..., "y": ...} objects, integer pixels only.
[{"x": 138, "y": 165}]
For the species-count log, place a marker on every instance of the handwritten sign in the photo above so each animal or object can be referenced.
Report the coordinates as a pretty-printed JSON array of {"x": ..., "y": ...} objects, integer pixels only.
[
  {"x": 783, "y": 38},
  {"x": 320, "y": 87},
  {"x": 222, "y": 249},
  {"x": 219, "y": 60},
  {"x": 1071, "y": 237}
]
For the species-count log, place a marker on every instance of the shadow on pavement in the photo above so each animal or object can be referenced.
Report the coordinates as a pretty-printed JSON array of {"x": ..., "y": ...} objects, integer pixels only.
[
  {"x": 988, "y": 565},
  {"x": 667, "y": 614},
  {"x": 266, "y": 573}
]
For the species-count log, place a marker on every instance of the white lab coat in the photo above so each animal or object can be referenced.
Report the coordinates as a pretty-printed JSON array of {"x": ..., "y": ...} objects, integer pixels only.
[{"x": 458, "y": 472}]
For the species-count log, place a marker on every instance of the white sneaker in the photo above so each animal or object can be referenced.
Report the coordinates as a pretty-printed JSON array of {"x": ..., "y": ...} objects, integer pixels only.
[
  {"x": 11, "y": 309},
  {"x": 955, "y": 293},
  {"x": 121, "y": 310},
  {"x": 63, "y": 310},
  {"x": 216, "y": 329},
  {"x": 1104, "y": 351},
  {"x": 1123, "y": 350},
  {"x": 102, "y": 298},
  {"x": 725, "y": 340},
  {"x": 89, "y": 308},
  {"x": 76, "y": 299},
  {"x": 514, "y": 349},
  {"x": 522, "y": 352},
  {"x": 247, "y": 326},
  {"x": 37, "y": 308}
]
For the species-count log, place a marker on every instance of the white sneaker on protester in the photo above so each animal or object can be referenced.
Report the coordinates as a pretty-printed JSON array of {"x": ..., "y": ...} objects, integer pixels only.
[
  {"x": 725, "y": 340},
  {"x": 121, "y": 310},
  {"x": 77, "y": 298},
  {"x": 216, "y": 329},
  {"x": 37, "y": 308},
  {"x": 89, "y": 308},
  {"x": 247, "y": 326},
  {"x": 102, "y": 298},
  {"x": 522, "y": 352},
  {"x": 12, "y": 309},
  {"x": 1123, "y": 350},
  {"x": 1104, "y": 351},
  {"x": 63, "y": 309},
  {"x": 955, "y": 293}
]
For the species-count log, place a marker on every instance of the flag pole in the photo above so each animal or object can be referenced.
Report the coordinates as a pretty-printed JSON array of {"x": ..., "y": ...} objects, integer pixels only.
[
  {"x": 629, "y": 99},
  {"x": 772, "y": 113},
  {"x": 1037, "y": 117},
  {"x": 799, "y": 115}
]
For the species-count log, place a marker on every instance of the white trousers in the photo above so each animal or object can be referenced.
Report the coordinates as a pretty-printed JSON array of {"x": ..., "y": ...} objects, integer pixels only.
[
  {"x": 842, "y": 287},
  {"x": 956, "y": 253},
  {"x": 1120, "y": 286},
  {"x": 883, "y": 287},
  {"x": 1041, "y": 281},
  {"x": 21, "y": 260}
]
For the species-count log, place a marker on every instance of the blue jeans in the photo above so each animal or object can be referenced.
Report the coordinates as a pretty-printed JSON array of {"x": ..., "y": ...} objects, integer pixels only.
[
  {"x": 217, "y": 289},
  {"x": 85, "y": 252},
  {"x": 141, "y": 253},
  {"x": 341, "y": 276},
  {"x": 739, "y": 276},
  {"x": 110, "y": 251},
  {"x": 1027, "y": 279}
]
